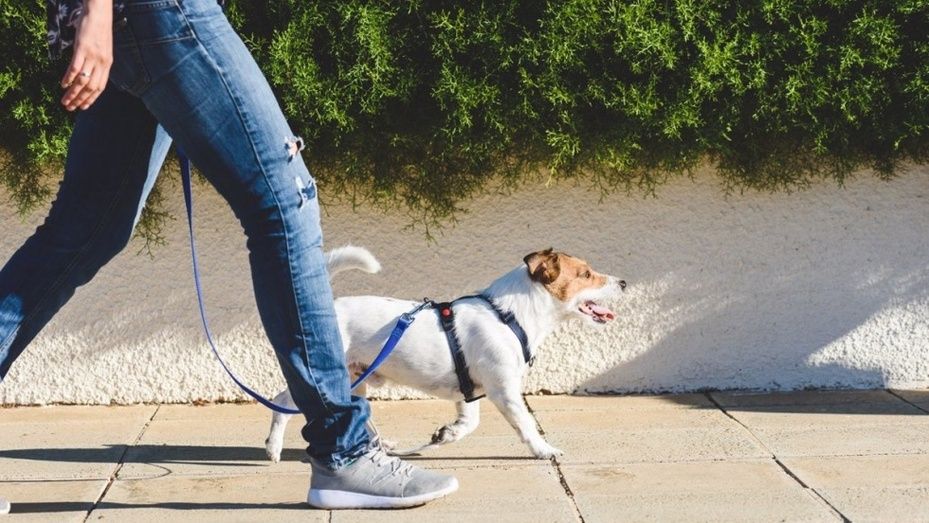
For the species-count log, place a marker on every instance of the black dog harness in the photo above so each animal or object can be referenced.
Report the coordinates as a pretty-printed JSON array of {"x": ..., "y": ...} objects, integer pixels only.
[{"x": 447, "y": 320}]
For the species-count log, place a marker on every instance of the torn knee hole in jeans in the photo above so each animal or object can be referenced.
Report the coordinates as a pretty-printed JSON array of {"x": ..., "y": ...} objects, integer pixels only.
[
  {"x": 307, "y": 191},
  {"x": 294, "y": 145}
]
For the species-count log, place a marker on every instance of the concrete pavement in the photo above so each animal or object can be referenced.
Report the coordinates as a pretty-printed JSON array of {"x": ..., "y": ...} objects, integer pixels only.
[{"x": 804, "y": 456}]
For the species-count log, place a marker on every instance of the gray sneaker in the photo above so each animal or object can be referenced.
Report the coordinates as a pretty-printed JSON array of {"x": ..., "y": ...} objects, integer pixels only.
[
  {"x": 376, "y": 480},
  {"x": 4, "y": 506}
]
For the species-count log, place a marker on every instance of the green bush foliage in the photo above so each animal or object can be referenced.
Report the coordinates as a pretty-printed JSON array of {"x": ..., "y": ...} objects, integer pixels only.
[{"x": 425, "y": 104}]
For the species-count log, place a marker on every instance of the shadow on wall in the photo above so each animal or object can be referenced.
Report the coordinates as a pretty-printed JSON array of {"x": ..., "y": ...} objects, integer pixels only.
[{"x": 818, "y": 289}]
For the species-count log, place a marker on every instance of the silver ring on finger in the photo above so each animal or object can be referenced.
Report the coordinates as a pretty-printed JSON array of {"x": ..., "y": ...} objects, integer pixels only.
[{"x": 85, "y": 74}]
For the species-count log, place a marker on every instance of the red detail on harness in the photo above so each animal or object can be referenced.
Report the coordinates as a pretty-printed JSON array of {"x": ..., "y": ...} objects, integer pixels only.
[{"x": 446, "y": 312}]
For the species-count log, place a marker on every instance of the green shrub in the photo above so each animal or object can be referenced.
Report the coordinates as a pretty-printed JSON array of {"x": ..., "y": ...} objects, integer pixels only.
[{"x": 425, "y": 104}]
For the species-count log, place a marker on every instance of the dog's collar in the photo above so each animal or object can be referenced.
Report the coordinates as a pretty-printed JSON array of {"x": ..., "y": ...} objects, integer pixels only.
[{"x": 447, "y": 320}]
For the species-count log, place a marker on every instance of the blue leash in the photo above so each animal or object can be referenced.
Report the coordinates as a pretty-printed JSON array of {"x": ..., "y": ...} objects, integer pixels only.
[{"x": 403, "y": 323}]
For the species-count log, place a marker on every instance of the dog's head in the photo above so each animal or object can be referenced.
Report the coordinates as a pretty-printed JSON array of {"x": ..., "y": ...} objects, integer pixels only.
[{"x": 574, "y": 284}]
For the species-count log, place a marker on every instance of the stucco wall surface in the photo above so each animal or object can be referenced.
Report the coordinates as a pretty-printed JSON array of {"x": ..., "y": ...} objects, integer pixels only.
[{"x": 826, "y": 287}]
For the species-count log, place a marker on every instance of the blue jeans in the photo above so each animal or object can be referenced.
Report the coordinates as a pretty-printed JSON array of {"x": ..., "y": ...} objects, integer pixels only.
[{"x": 181, "y": 72}]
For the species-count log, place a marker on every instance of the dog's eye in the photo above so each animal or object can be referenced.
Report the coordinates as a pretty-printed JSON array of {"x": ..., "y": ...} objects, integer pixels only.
[{"x": 587, "y": 274}]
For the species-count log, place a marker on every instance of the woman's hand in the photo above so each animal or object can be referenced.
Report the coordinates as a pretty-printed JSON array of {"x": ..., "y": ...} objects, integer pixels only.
[{"x": 89, "y": 71}]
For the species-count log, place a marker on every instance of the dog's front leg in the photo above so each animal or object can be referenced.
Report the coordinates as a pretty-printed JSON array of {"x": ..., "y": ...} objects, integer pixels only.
[
  {"x": 510, "y": 402},
  {"x": 469, "y": 416}
]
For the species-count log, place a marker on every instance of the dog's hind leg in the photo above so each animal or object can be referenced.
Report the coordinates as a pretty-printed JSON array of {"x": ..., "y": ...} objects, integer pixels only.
[
  {"x": 275, "y": 442},
  {"x": 510, "y": 402},
  {"x": 469, "y": 416}
]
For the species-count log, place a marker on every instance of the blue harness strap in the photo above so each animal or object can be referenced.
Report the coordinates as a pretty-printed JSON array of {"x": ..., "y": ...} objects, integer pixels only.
[{"x": 403, "y": 323}]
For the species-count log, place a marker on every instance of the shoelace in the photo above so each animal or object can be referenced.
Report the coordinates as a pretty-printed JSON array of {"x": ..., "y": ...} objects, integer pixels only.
[{"x": 397, "y": 466}]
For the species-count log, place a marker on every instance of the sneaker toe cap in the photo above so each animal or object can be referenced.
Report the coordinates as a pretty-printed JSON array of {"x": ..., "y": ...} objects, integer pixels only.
[{"x": 427, "y": 482}]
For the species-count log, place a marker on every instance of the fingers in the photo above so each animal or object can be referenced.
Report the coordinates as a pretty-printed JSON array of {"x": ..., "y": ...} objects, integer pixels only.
[
  {"x": 86, "y": 81},
  {"x": 74, "y": 70},
  {"x": 90, "y": 91},
  {"x": 89, "y": 70}
]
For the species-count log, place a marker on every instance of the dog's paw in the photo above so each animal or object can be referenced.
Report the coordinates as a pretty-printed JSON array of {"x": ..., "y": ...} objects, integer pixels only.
[
  {"x": 546, "y": 451},
  {"x": 445, "y": 434},
  {"x": 273, "y": 450}
]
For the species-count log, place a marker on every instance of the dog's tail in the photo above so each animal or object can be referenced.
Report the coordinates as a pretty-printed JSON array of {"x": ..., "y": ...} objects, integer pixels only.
[{"x": 351, "y": 257}]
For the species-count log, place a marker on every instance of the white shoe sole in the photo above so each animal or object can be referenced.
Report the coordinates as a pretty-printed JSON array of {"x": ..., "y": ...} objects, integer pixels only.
[
  {"x": 340, "y": 499},
  {"x": 4, "y": 506}
]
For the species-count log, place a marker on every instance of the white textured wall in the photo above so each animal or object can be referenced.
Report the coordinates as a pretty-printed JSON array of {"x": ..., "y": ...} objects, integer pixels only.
[{"x": 828, "y": 287}]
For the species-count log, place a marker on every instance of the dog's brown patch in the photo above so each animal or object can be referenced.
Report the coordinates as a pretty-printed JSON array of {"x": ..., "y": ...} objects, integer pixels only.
[{"x": 562, "y": 275}]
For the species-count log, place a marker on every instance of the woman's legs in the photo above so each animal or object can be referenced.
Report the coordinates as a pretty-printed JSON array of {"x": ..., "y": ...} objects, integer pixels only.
[
  {"x": 114, "y": 156},
  {"x": 199, "y": 81}
]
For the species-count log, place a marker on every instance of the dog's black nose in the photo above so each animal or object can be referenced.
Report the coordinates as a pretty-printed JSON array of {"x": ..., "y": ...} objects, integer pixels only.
[{"x": 622, "y": 284}]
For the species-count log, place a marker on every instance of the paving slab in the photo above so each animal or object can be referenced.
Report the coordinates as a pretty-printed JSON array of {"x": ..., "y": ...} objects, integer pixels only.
[
  {"x": 803, "y": 397},
  {"x": 76, "y": 413},
  {"x": 269, "y": 497},
  {"x": 211, "y": 445},
  {"x": 619, "y": 419},
  {"x": 250, "y": 412},
  {"x": 837, "y": 407},
  {"x": 918, "y": 397},
  {"x": 755, "y": 490},
  {"x": 50, "y": 501},
  {"x": 636, "y": 429},
  {"x": 831, "y": 423},
  {"x": 620, "y": 403},
  {"x": 870, "y": 488},
  {"x": 499, "y": 494},
  {"x": 54, "y": 443}
]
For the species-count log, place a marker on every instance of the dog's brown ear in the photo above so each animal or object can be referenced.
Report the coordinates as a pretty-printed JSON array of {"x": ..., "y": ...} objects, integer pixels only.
[{"x": 543, "y": 266}]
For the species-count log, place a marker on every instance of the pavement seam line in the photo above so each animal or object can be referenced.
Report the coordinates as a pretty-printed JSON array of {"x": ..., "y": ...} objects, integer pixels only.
[
  {"x": 557, "y": 466},
  {"x": 777, "y": 460},
  {"x": 121, "y": 462},
  {"x": 904, "y": 400}
]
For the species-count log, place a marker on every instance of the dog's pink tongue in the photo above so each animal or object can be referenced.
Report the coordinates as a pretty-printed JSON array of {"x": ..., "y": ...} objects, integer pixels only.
[{"x": 603, "y": 312}]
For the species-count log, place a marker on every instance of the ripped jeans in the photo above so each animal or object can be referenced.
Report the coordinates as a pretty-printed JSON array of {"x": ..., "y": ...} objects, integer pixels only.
[{"x": 181, "y": 72}]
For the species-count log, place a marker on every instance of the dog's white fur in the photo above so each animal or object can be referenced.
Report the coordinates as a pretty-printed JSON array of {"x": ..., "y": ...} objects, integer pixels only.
[{"x": 421, "y": 359}]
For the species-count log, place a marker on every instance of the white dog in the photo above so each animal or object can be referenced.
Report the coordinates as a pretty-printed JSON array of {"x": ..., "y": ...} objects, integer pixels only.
[{"x": 547, "y": 289}]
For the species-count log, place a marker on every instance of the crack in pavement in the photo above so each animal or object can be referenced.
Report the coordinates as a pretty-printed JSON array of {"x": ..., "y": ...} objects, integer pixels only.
[
  {"x": 121, "y": 462},
  {"x": 816, "y": 494},
  {"x": 557, "y": 466}
]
